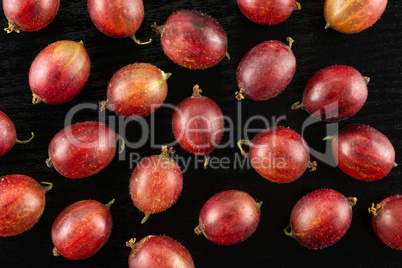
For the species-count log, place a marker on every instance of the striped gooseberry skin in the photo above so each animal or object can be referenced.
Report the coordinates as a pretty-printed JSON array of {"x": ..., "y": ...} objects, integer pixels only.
[
  {"x": 353, "y": 16},
  {"x": 363, "y": 152},
  {"x": 81, "y": 229},
  {"x": 22, "y": 202}
]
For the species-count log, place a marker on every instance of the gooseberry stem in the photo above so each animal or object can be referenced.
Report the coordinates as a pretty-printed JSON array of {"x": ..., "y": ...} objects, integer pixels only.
[
  {"x": 145, "y": 218},
  {"x": 48, "y": 186},
  {"x": 26, "y": 141},
  {"x": 140, "y": 42},
  {"x": 287, "y": 232},
  {"x": 243, "y": 142}
]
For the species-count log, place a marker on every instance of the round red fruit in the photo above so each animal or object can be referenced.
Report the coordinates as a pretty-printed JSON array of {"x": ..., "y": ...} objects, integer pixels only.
[
  {"x": 353, "y": 16},
  {"x": 8, "y": 135},
  {"x": 193, "y": 39},
  {"x": 229, "y": 217},
  {"x": 118, "y": 18},
  {"x": 59, "y": 72},
  {"x": 156, "y": 183},
  {"x": 265, "y": 71},
  {"x": 387, "y": 221},
  {"x": 267, "y": 12},
  {"x": 29, "y": 15},
  {"x": 320, "y": 218},
  {"x": 363, "y": 152},
  {"x": 335, "y": 93},
  {"x": 279, "y": 154},
  {"x": 198, "y": 124},
  {"x": 137, "y": 90},
  {"x": 81, "y": 229},
  {"x": 156, "y": 251},
  {"x": 22, "y": 201},
  {"x": 82, "y": 149}
]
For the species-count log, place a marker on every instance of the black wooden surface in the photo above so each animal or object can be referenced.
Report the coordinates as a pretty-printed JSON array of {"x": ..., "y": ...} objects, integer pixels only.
[{"x": 375, "y": 52}]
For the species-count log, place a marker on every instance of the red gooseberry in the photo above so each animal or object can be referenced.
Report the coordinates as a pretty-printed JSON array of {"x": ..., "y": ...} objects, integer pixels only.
[
  {"x": 229, "y": 217},
  {"x": 320, "y": 218},
  {"x": 334, "y": 93},
  {"x": 266, "y": 70},
  {"x": 268, "y": 12},
  {"x": 22, "y": 201},
  {"x": 136, "y": 90},
  {"x": 156, "y": 183},
  {"x": 117, "y": 18},
  {"x": 81, "y": 229},
  {"x": 82, "y": 149},
  {"x": 157, "y": 251},
  {"x": 193, "y": 39},
  {"x": 279, "y": 154},
  {"x": 29, "y": 15},
  {"x": 8, "y": 135},
  {"x": 353, "y": 16},
  {"x": 198, "y": 124},
  {"x": 387, "y": 221},
  {"x": 363, "y": 152},
  {"x": 59, "y": 72}
]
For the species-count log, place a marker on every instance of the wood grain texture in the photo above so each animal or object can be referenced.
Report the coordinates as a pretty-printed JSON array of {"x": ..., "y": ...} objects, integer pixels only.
[{"x": 375, "y": 52}]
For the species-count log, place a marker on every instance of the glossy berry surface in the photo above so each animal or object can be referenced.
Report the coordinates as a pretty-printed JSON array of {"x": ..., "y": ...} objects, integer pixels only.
[
  {"x": 229, "y": 217},
  {"x": 59, "y": 72},
  {"x": 82, "y": 149},
  {"x": 156, "y": 183},
  {"x": 335, "y": 93},
  {"x": 266, "y": 70},
  {"x": 29, "y": 15},
  {"x": 280, "y": 154},
  {"x": 117, "y": 18},
  {"x": 353, "y": 16},
  {"x": 8, "y": 135},
  {"x": 198, "y": 124},
  {"x": 387, "y": 221},
  {"x": 363, "y": 152},
  {"x": 81, "y": 229},
  {"x": 137, "y": 90},
  {"x": 267, "y": 12},
  {"x": 22, "y": 201},
  {"x": 156, "y": 251},
  {"x": 193, "y": 39},
  {"x": 321, "y": 218}
]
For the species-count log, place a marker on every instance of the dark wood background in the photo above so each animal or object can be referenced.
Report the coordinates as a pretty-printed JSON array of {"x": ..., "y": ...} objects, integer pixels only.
[{"x": 375, "y": 52}]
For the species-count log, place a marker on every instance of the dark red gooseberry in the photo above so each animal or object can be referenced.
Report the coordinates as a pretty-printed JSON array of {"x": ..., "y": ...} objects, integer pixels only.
[
  {"x": 320, "y": 218},
  {"x": 387, "y": 221},
  {"x": 352, "y": 16},
  {"x": 137, "y": 90},
  {"x": 22, "y": 201},
  {"x": 193, "y": 39},
  {"x": 157, "y": 251},
  {"x": 268, "y": 12},
  {"x": 363, "y": 152},
  {"x": 156, "y": 183},
  {"x": 265, "y": 71},
  {"x": 59, "y": 72},
  {"x": 198, "y": 124},
  {"x": 82, "y": 229},
  {"x": 334, "y": 93},
  {"x": 229, "y": 217},
  {"x": 8, "y": 135},
  {"x": 279, "y": 154},
  {"x": 82, "y": 149},
  {"x": 29, "y": 15},
  {"x": 117, "y": 18}
]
